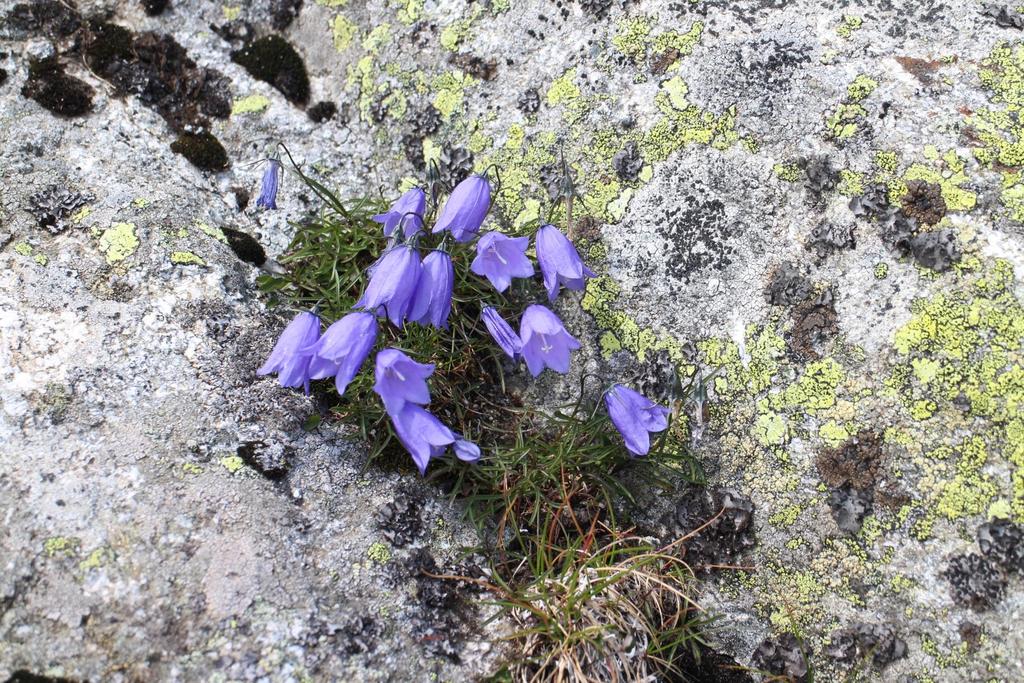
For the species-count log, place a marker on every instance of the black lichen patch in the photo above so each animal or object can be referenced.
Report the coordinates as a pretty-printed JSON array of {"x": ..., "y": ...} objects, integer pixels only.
[
  {"x": 708, "y": 666},
  {"x": 814, "y": 326},
  {"x": 49, "y": 17},
  {"x": 283, "y": 13},
  {"x": 698, "y": 234},
  {"x": 202, "y": 149},
  {"x": 360, "y": 635},
  {"x": 853, "y": 471},
  {"x": 454, "y": 165},
  {"x": 725, "y": 537},
  {"x": 529, "y": 101},
  {"x": 54, "y": 204},
  {"x": 878, "y": 641},
  {"x": 783, "y": 656},
  {"x": 25, "y": 676},
  {"x": 245, "y": 246},
  {"x": 820, "y": 177},
  {"x": 63, "y": 95},
  {"x": 975, "y": 582},
  {"x": 401, "y": 520},
  {"x": 322, "y": 111},
  {"x": 271, "y": 462},
  {"x": 596, "y": 8},
  {"x": 659, "y": 378},
  {"x": 1002, "y": 542},
  {"x": 3, "y": 76},
  {"x": 857, "y": 462},
  {"x": 923, "y": 202},
  {"x": 273, "y": 60},
  {"x": 477, "y": 67},
  {"x": 628, "y": 162},
  {"x": 849, "y": 507},
  {"x": 828, "y": 238},
  {"x": 788, "y": 285},
  {"x": 155, "y": 8},
  {"x": 445, "y": 617},
  {"x": 157, "y": 70},
  {"x": 937, "y": 249},
  {"x": 1005, "y": 16}
]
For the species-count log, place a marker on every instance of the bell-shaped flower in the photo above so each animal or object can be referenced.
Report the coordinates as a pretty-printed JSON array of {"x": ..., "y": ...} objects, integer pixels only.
[
  {"x": 421, "y": 433},
  {"x": 400, "y": 380},
  {"x": 407, "y": 212},
  {"x": 465, "y": 450},
  {"x": 502, "y": 333},
  {"x": 636, "y": 417},
  {"x": 433, "y": 300},
  {"x": 291, "y": 355},
  {"x": 393, "y": 284},
  {"x": 546, "y": 344},
  {"x": 341, "y": 350},
  {"x": 500, "y": 258},
  {"x": 560, "y": 263},
  {"x": 466, "y": 208},
  {"x": 271, "y": 182}
]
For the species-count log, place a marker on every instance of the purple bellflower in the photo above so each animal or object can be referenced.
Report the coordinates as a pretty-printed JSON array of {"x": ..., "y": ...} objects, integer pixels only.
[
  {"x": 502, "y": 333},
  {"x": 546, "y": 344},
  {"x": 433, "y": 300},
  {"x": 421, "y": 433},
  {"x": 271, "y": 182},
  {"x": 465, "y": 450},
  {"x": 393, "y": 284},
  {"x": 560, "y": 263},
  {"x": 341, "y": 350},
  {"x": 291, "y": 355},
  {"x": 407, "y": 211},
  {"x": 466, "y": 208},
  {"x": 500, "y": 258},
  {"x": 400, "y": 380},
  {"x": 636, "y": 417}
]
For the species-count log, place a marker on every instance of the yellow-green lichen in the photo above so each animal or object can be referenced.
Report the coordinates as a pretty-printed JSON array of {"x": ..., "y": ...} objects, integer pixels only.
[
  {"x": 344, "y": 31},
  {"x": 851, "y": 183},
  {"x": 95, "y": 560},
  {"x": 118, "y": 242},
  {"x": 848, "y": 25},
  {"x": 449, "y": 91},
  {"x": 842, "y": 124},
  {"x": 815, "y": 390},
  {"x": 788, "y": 172},
  {"x": 66, "y": 546},
  {"x": 253, "y": 104},
  {"x": 379, "y": 553},
  {"x": 231, "y": 12},
  {"x": 232, "y": 463},
  {"x": 186, "y": 258},
  {"x": 631, "y": 38},
  {"x": 860, "y": 88},
  {"x": 456, "y": 33},
  {"x": 191, "y": 468},
  {"x": 683, "y": 43},
  {"x": 563, "y": 89},
  {"x": 410, "y": 11},
  {"x": 881, "y": 270}
]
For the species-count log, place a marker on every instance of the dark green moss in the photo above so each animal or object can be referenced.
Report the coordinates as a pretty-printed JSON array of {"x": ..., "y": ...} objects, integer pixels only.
[
  {"x": 105, "y": 43},
  {"x": 154, "y": 7},
  {"x": 202, "y": 149},
  {"x": 48, "y": 85},
  {"x": 246, "y": 248},
  {"x": 273, "y": 60}
]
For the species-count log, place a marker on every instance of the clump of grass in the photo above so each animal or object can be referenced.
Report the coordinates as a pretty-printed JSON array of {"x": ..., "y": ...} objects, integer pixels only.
[{"x": 594, "y": 602}]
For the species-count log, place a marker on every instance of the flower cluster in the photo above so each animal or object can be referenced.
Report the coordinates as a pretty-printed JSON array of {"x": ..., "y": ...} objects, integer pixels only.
[{"x": 407, "y": 286}]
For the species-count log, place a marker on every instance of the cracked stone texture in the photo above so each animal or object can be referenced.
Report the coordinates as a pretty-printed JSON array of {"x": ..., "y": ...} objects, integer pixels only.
[{"x": 134, "y": 546}]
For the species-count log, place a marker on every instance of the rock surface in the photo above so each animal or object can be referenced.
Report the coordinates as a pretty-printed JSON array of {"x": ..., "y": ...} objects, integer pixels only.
[{"x": 822, "y": 203}]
